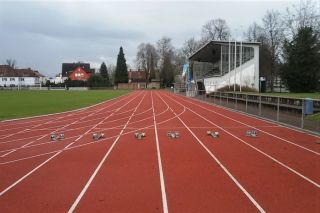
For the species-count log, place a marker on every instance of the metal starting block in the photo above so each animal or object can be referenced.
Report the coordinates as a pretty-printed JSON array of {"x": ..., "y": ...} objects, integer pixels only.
[
  {"x": 97, "y": 136},
  {"x": 139, "y": 135},
  {"x": 173, "y": 134},
  {"x": 251, "y": 133},
  {"x": 213, "y": 134},
  {"x": 54, "y": 137},
  {"x": 317, "y": 142}
]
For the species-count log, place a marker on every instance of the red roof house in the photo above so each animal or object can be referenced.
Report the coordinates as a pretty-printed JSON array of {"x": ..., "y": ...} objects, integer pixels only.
[
  {"x": 136, "y": 76},
  {"x": 79, "y": 74}
]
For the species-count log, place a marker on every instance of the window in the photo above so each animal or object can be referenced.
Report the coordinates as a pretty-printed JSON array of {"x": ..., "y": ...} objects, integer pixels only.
[
  {"x": 21, "y": 79},
  {"x": 12, "y": 79},
  {"x": 4, "y": 79}
]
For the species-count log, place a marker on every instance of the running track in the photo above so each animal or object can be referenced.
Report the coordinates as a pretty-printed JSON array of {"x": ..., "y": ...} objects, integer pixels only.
[{"x": 279, "y": 171}]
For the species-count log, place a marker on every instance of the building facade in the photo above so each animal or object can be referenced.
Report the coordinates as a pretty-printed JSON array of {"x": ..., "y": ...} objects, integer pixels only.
[
  {"x": 68, "y": 68},
  {"x": 10, "y": 77},
  {"x": 79, "y": 74}
]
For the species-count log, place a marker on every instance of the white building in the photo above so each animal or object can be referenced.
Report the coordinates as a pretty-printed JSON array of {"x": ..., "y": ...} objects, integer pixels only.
[
  {"x": 222, "y": 63},
  {"x": 10, "y": 77},
  {"x": 58, "y": 79}
]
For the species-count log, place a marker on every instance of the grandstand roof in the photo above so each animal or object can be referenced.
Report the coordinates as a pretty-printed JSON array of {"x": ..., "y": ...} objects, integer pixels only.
[{"x": 210, "y": 52}]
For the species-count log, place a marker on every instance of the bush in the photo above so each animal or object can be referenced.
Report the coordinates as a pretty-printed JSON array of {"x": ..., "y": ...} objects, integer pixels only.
[{"x": 97, "y": 81}]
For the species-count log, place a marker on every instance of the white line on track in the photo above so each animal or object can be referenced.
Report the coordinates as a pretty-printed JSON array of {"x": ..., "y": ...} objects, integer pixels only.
[
  {"x": 85, "y": 188},
  {"x": 61, "y": 128},
  {"x": 253, "y": 147},
  {"x": 87, "y": 108},
  {"x": 254, "y": 202},
  {"x": 162, "y": 182},
  {"x": 46, "y": 161},
  {"x": 268, "y": 133},
  {"x": 92, "y": 143}
]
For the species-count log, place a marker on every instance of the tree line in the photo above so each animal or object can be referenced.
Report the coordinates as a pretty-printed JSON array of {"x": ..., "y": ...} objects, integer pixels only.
[{"x": 290, "y": 48}]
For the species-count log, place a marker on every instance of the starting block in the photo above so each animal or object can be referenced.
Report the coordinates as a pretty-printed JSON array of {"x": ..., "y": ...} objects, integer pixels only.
[
  {"x": 213, "y": 134},
  {"x": 251, "y": 133},
  {"x": 139, "y": 135},
  {"x": 54, "y": 137},
  {"x": 173, "y": 134},
  {"x": 97, "y": 136},
  {"x": 317, "y": 142}
]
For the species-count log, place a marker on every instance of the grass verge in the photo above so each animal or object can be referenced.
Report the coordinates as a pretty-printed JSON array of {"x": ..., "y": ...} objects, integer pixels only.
[{"x": 19, "y": 104}]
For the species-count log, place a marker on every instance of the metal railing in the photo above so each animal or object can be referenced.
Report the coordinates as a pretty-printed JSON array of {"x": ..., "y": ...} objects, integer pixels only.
[{"x": 297, "y": 112}]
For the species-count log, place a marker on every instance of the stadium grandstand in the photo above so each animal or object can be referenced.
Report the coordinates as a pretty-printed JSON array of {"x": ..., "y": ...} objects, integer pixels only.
[{"x": 223, "y": 63}]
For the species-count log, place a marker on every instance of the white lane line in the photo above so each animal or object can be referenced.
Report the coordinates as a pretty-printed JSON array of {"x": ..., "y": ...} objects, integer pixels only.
[
  {"x": 258, "y": 150},
  {"x": 162, "y": 182},
  {"x": 58, "y": 113},
  {"x": 85, "y": 188},
  {"x": 61, "y": 128},
  {"x": 91, "y": 143},
  {"x": 255, "y": 203},
  {"x": 46, "y": 161},
  {"x": 73, "y": 112},
  {"x": 283, "y": 139}
]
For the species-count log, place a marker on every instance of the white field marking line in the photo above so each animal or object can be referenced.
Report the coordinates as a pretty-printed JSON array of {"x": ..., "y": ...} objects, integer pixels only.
[
  {"x": 90, "y": 143},
  {"x": 74, "y": 112},
  {"x": 58, "y": 113},
  {"x": 256, "y": 149},
  {"x": 35, "y": 145},
  {"x": 255, "y": 203},
  {"x": 43, "y": 163},
  {"x": 78, "y": 114},
  {"x": 57, "y": 119},
  {"x": 45, "y": 143},
  {"x": 20, "y": 139},
  {"x": 85, "y": 188},
  {"x": 101, "y": 122},
  {"x": 27, "y": 145},
  {"x": 162, "y": 182},
  {"x": 124, "y": 117},
  {"x": 285, "y": 140},
  {"x": 59, "y": 129},
  {"x": 61, "y": 117}
]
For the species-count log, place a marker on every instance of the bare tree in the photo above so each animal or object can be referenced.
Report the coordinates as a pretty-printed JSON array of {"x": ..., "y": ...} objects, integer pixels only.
[
  {"x": 306, "y": 14},
  {"x": 147, "y": 59},
  {"x": 273, "y": 34},
  {"x": 254, "y": 32},
  {"x": 166, "y": 62},
  {"x": 215, "y": 29},
  {"x": 11, "y": 62},
  {"x": 190, "y": 46}
]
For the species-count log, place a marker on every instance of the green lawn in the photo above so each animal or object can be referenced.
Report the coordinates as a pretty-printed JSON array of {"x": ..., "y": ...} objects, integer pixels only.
[
  {"x": 18, "y": 104},
  {"x": 315, "y": 95}
]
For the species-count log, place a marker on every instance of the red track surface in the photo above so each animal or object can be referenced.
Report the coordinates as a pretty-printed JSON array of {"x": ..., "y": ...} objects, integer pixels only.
[{"x": 278, "y": 171}]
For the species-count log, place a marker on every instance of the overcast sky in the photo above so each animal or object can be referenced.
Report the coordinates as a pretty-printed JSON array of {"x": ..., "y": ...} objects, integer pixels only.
[{"x": 44, "y": 34}]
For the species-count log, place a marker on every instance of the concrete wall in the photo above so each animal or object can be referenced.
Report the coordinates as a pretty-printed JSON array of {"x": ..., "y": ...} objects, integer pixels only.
[{"x": 132, "y": 86}]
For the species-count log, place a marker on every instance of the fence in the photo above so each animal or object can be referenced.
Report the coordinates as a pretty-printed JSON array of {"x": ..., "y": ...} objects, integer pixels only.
[{"x": 297, "y": 112}]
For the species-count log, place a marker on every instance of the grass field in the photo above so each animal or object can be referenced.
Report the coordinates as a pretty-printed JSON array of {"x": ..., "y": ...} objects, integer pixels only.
[
  {"x": 315, "y": 95},
  {"x": 18, "y": 104}
]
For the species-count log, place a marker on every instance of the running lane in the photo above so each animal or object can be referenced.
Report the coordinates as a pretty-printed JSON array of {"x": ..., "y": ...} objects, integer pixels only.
[
  {"x": 272, "y": 184},
  {"x": 128, "y": 180},
  {"x": 193, "y": 181},
  {"x": 56, "y": 182}
]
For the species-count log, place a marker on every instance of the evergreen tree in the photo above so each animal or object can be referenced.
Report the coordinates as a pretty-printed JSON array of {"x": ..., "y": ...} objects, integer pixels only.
[
  {"x": 121, "y": 74},
  {"x": 104, "y": 73},
  {"x": 301, "y": 72}
]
